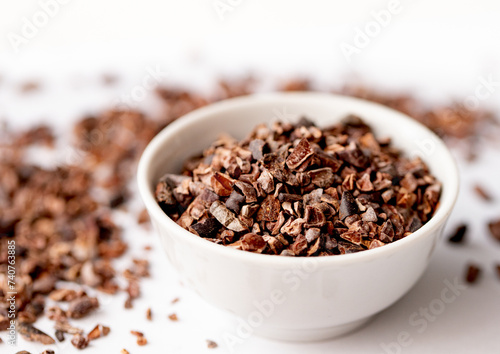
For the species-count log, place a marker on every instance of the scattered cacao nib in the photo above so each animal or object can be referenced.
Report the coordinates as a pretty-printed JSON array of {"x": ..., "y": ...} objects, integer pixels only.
[
  {"x": 149, "y": 315},
  {"x": 79, "y": 341},
  {"x": 98, "y": 331},
  {"x": 482, "y": 193},
  {"x": 459, "y": 234},
  {"x": 124, "y": 351},
  {"x": 494, "y": 227},
  {"x": 473, "y": 273},
  {"x": 65, "y": 327},
  {"x": 137, "y": 333},
  {"x": 30, "y": 86},
  {"x": 33, "y": 334},
  {"x": 497, "y": 268},
  {"x": 297, "y": 183},
  {"x": 59, "y": 335},
  {"x": 48, "y": 351},
  {"x": 173, "y": 317},
  {"x": 348, "y": 206},
  {"x": 141, "y": 340},
  {"x": 81, "y": 307},
  {"x": 211, "y": 344}
]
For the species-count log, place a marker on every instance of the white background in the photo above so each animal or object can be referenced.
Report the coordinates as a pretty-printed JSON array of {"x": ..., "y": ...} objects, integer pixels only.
[{"x": 441, "y": 50}]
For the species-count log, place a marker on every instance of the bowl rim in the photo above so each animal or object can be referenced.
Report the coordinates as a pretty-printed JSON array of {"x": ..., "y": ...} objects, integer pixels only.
[{"x": 147, "y": 195}]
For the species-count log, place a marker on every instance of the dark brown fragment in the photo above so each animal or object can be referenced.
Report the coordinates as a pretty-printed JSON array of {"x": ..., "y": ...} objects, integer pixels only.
[
  {"x": 257, "y": 146},
  {"x": 173, "y": 317},
  {"x": 494, "y": 227},
  {"x": 473, "y": 273},
  {"x": 482, "y": 193},
  {"x": 59, "y": 335},
  {"x": 81, "y": 307},
  {"x": 33, "y": 334},
  {"x": 149, "y": 315},
  {"x": 79, "y": 341},
  {"x": 459, "y": 234},
  {"x": 253, "y": 243},
  {"x": 348, "y": 206},
  {"x": 300, "y": 154},
  {"x": 207, "y": 227},
  {"x": 269, "y": 209}
]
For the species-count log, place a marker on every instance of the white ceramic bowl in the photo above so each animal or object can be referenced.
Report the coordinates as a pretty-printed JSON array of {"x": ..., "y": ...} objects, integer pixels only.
[{"x": 285, "y": 297}]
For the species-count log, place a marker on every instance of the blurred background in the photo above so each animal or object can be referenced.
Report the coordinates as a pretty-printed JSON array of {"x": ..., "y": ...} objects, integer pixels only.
[{"x": 63, "y": 59}]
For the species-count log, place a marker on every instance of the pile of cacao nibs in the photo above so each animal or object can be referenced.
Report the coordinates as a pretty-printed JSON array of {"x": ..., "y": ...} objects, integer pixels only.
[
  {"x": 298, "y": 190},
  {"x": 53, "y": 209}
]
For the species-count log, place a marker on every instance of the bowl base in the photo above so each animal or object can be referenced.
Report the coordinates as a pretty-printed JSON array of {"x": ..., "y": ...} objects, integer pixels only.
[{"x": 310, "y": 335}]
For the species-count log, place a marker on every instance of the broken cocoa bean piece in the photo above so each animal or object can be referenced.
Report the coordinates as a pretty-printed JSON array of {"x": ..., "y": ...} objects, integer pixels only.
[
  {"x": 483, "y": 193},
  {"x": 369, "y": 215},
  {"x": 312, "y": 234},
  {"x": 65, "y": 327},
  {"x": 253, "y": 243},
  {"x": 81, "y": 307},
  {"x": 79, "y": 341},
  {"x": 60, "y": 335},
  {"x": 387, "y": 232},
  {"x": 97, "y": 332},
  {"x": 322, "y": 177},
  {"x": 33, "y": 334},
  {"x": 375, "y": 244},
  {"x": 249, "y": 209},
  {"x": 299, "y": 246},
  {"x": 221, "y": 184},
  {"x": 354, "y": 156},
  {"x": 164, "y": 194},
  {"x": 494, "y": 227},
  {"x": 415, "y": 224},
  {"x": 352, "y": 236},
  {"x": 206, "y": 228},
  {"x": 459, "y": 234},
  {"x": 234, "y": 201},
  {"x": 314, "y": 217},
  {"x": 269, "y": 209},
  {"x": 275, "y": 245},
  {"x": 364, "y": 183},
  {"x": 472, "y": 274},
  {"x": 266, "y": 181},
  {"x": 346, "y": 247},
  {"x": 226, "y": 217},
  {"x": 348, "y": 205},
  {"x": 258, "y": 148},
  {"x": 211, "y": 344},
  {"x": 299, "y": 155},
  {"x": 293, "y": 227},
  {"x": 247, "y": 190}
]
